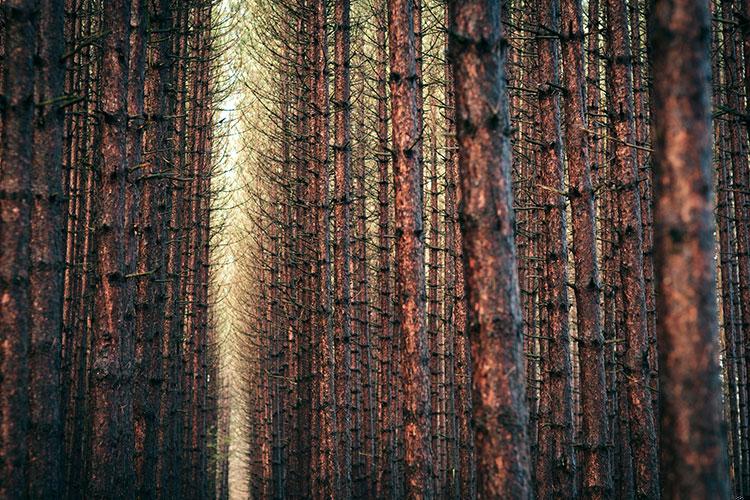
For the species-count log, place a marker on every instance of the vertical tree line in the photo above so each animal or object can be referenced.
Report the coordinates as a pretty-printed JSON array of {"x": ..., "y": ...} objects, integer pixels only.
[
  {"x": 109, "y": 353},
  {"x": 500, "y": 219},
  {"x": 374, "y": 249}
]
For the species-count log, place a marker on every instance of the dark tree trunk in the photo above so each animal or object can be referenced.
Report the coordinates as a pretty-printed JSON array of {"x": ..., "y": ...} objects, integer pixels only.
[
  {"x": 433, "y": 319},
  {"x": 111, "y": 369},
  {"x": 342, "y": 247},
  {"x": 500, "y": 414},
  {"x": 629, "y": 236},
  {"x": 134, "y": 150},
  {"x": 47, "y": 256},
  {"x": 556, "y": 462},
  {"x": 596, "y": 481},
  {"x": 16, "y": 204},
  {"x": 693, "y": 447},
  {"x": 151, "y": 293},
  {"x": 386, "y": 439},
  {"x": 328, "y": 459},
  {"x": 466, "y": 470},
  {"x": 172, "y": 417},
  {"x": 451, "y": 262}
]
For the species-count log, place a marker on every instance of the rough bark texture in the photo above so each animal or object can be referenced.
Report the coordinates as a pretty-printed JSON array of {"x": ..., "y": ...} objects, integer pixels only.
[
  {"x": 15, "y": 234},
  {"x": 134, "y": 150},
  {"x": 47, "y": 256},
  {"x": 500, "y": 414},
  {"x": 555, "y": 473},
  {"x": 152, "y": 251},
  {"x": 111, "y": 417},
  {"x": 693, "y": 444},
  {"x": 342, "y": 246},
  {"x": 410, "y": 283},
  {"x": 386, "y": 452},
  {"x": 328, "y": 457},
  {"x": 596, "y": 481},
  {"x": 466, "y": 470},
  {"x": 629, "y": 236}
]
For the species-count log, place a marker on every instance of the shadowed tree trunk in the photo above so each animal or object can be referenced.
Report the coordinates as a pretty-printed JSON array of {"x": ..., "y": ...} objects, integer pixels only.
[
  {"x": 342, "y": 247},
  {"x": 151, "y": 293},
  {"x": 466, "y": 469},
  {"x": 134, "y": 150},
  {"x": 47, "y": 255},
  {"x": 693, "y": 447},
  {"x": 328, "y": 459},
  {"x": 629, "y": 236},
  {"x": 555, "y": 472},
  {"x": 15, "y": 233},
  {"x": 500, "y": 414},
  {"x": 111, "y": 371},
  {"x": 596, "y": 481},
  {"x": 386, "y": 450}
]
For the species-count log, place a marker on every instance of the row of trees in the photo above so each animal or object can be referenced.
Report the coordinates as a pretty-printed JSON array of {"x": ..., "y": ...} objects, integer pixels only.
[
  {"x": 479, "y": 249},
  {"x": 109, "y": 367}
]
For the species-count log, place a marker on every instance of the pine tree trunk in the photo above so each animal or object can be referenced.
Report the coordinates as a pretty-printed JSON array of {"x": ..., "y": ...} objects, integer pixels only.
[
  {"x": 152, "y": 297},
  {"x": 342, "y": 246},
  {"x": 15, "y": 232},
  {"x": 410, "y": 283},
  {"x": 500, "y": 414},
  {"x": 111, "y": 417},
  {"x": 596, "y": 481},
  {"x": 47, "y": 258},
  {"x": 386, "y": 449},
  {"x": 629, "y": 233},
  {"x": 693, "y": 446},
  {"x": 556, "y": 469}
]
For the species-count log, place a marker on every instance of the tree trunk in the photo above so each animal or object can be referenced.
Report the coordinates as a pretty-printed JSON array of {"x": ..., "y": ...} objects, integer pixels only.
[
  {"x": 16, "y": 205},
  {"x": 693, "y": 447},
  {"x": 556, "y": 469},
  {"x": 152, "y": 298},
  {"x": 341, "y": 249},
  {"x": 466, "y": 477},
  {"x": 433, "y": 320},
  {"x": 111, "y": 417},
  {"x": 596, "y": 481},
  {"x": 500, "y": 413},
  {"x": 386, "y": 450},
  {"x": 47, "y": 258},
  {"x": 629, "y": 237},
  {"x": 410, "y": 283}
]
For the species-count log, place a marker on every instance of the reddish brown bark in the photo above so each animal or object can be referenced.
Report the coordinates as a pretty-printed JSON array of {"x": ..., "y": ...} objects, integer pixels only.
[
  {"x": 500, "y": 414},
  {"x": 629, "y": 236},
  {"x": 342, "y": 246},
  {"x": 134, "y": 150},
  {"x": 151, "y": 293},
  {"x": 47, "y": 258},
  {"x": 693, "y": 447},
  {"x": 15, "y": 232},
  {"x": 410, "y": 281},
  {"x": 596, "y": 481},
  {"x": 328, "y": 460},
  {"x": 555, "y": 472},
  {"x": 433, "y": 319},
  {"x": 172, "y": 417},
  {"x": 386, "y": 449},
  {"x": 361, "y": 292},
  {"x": 466, "y": 477},
  {"x": 451, "y": 262},
  {"x": 111, "y": 417}
]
